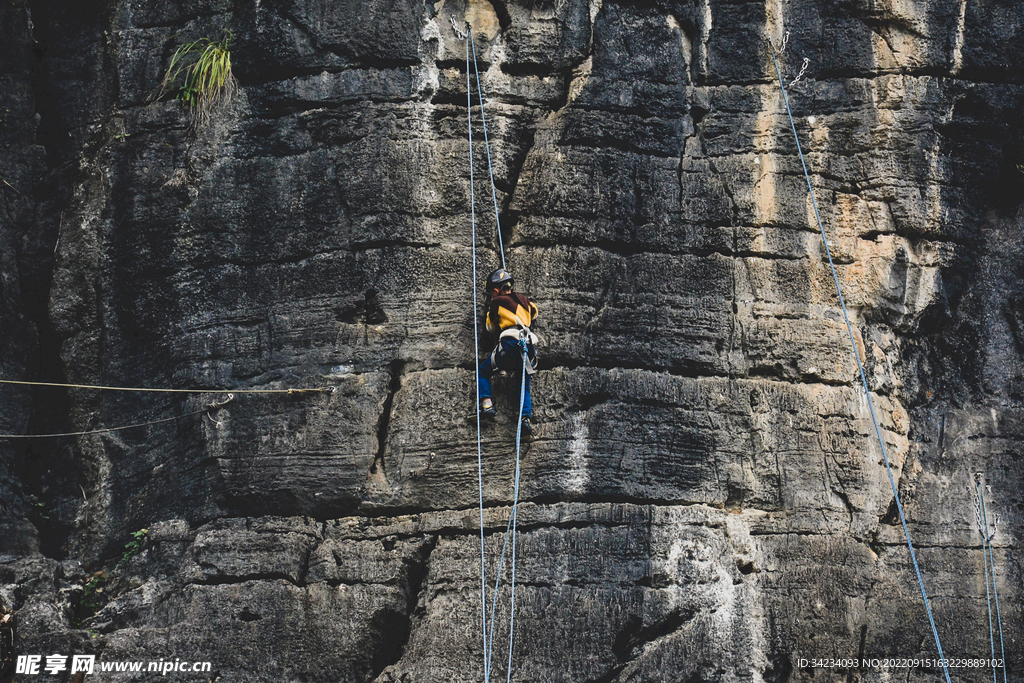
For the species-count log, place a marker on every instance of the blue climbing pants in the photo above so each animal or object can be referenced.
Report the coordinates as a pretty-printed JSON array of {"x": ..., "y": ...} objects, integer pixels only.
[{"x": 509, "y": 357}]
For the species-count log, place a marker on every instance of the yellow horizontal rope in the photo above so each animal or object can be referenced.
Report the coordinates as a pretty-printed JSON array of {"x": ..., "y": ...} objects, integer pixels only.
[{"x": 169, "y": 391}]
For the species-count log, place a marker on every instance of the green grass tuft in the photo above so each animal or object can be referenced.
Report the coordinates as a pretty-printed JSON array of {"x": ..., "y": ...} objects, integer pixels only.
[{"x": 200, "y": 75}]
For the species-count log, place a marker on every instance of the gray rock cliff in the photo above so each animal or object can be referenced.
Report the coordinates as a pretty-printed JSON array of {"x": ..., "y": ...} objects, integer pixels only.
[{"x": 705, "y": 498}]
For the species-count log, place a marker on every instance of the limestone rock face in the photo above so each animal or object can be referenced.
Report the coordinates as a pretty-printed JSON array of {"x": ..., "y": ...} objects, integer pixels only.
[{"x": 705, "y": 498}]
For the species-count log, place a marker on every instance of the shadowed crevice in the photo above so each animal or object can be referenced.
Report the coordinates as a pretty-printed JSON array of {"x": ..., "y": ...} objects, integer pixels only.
[
  {"x": 634, "y": 638},
  {"x": 384, "y": 422},
  {"x": 391, "y": 628}
]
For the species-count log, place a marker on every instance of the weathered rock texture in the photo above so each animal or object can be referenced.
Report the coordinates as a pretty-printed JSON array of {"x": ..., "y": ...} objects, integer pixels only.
[{"x": 705, "y": 499}]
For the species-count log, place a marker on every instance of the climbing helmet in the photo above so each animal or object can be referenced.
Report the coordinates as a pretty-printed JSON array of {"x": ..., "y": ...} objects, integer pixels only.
[{"x": 499, "y": 279}]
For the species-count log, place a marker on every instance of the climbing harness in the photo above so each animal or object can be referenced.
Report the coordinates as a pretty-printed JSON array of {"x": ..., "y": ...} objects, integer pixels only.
[
  {"x": 860, "y": 367},
  {"x": 525, "y": 339},
  {"x": 987, "y": 534},
  {"x": 511, "y": 530}
]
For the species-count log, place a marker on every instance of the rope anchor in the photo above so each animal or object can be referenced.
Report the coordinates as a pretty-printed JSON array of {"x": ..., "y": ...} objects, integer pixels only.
[
  {"x": 459, "y": 33},
  {"x": 215, "y": 406},
  {"x": 803, "y": 70},
  {"x": 779, "y": 50}
]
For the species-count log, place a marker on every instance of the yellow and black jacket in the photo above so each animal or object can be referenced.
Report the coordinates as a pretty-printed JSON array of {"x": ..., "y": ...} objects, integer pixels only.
[
  {"x": 509, "y": 317},
  {"x": 509, "y": 312}
]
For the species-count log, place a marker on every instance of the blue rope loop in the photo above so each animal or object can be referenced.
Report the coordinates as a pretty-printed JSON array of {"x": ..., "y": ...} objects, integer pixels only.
[{"x": 863, "y": 377}]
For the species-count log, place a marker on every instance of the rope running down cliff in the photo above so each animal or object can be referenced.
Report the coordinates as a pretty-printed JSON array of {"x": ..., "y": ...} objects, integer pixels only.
[
  {"x": 990, "y": 568},
  {"x": 476, "y": 345},
  {"x": 107, "y": 430},
  {"x": 512, "y": 527},
  {"x": 330, "y": 389},
  {"x": 860, "y": 369},
  {"x": 230, "y": 396}
]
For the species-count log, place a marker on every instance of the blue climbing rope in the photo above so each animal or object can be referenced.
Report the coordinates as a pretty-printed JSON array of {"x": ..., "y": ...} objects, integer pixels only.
[
  {"x": 512, "y": 526},
  {"x": 476, "y": 345},
  {"x": 515, "y": 516},
  {"x": 510, "y": 529},
  {"x": 995, "y": 593},
  {"x": 988, "y": 595},
  {"x": 497, "y": 584},
  {"x": 864, "y": 379},
  {"x": 487, "y": 146}
]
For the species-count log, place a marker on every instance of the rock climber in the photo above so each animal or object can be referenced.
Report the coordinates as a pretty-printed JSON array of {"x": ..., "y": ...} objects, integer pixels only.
[{"x": 509, "y": 315}]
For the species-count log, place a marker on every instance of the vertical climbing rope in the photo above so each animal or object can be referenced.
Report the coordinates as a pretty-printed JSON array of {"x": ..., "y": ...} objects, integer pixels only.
[
  {"x": 512, "y": 527},
  {"x": 864, "y": 379},
  {"x": 995, "y": 593},
  {"x": 487, "y": 146},
  {"x": 988, "y": 594},
  {"x": 511, "y": 531},
  {"x": 476, "y": 345},
  {"x": 515, "y": 516},
  {"x": 497, "y": 584}
]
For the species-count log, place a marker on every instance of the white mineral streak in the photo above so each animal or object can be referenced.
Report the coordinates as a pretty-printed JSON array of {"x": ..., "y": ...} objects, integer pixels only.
[
  {"x": 686, "y": 44},
  {"x": 774, "y": 29},
  {"x": 696, "y": 551},
  {"x": 427, "y": 75},
  {"x": 764, "y": 173},
  {"x": 580, "y": 77},
  {"x": 579, "y": 475},
  {"x": 705, "y": 32},
  {"x": 958, "y": 40}
]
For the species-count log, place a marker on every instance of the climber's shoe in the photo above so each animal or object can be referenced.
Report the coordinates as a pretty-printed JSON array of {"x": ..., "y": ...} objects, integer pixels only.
[
  {"x": 487, "y": 408},
  {"x": 526, "y": 428}
]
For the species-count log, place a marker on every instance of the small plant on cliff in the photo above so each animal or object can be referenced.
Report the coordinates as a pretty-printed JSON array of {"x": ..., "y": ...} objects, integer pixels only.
[
  {"x": 133, "y": 546},
  {"x": 200, "y": 75},
  {"x": 92, "y": 597}
]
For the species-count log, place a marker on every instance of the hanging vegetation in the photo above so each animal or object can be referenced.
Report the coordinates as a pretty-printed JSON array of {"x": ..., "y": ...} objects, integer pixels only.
[{"x": 200, "y": 75}]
